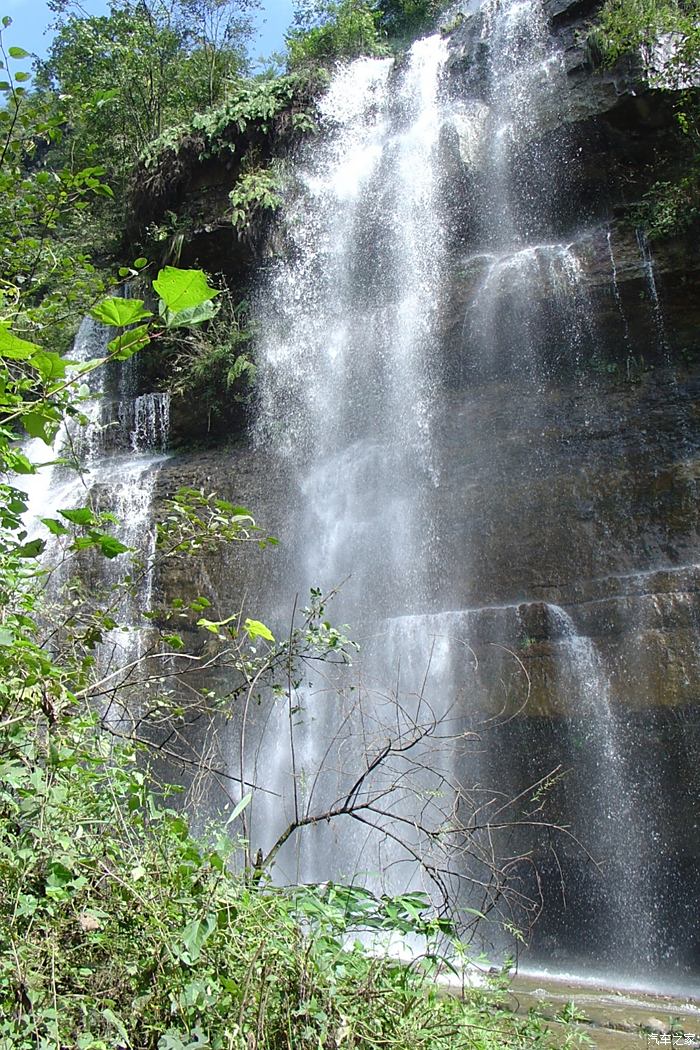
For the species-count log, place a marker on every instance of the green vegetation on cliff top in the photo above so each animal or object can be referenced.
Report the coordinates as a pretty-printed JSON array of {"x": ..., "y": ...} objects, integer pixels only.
[{"x": 665, "y": 35}]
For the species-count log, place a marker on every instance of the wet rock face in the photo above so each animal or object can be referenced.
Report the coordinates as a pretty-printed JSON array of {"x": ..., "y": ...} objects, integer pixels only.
[
  {"x": 592, "y": 507},
  {"x": 567, "y": 417},
  {"x": 617, "y": 129},
  {"x": 573, "y": 486}
]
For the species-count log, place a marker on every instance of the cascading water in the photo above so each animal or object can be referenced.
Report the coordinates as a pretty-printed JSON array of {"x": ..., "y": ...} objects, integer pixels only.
[
  {"x": 356, "y": 405},
  {"x": 111, "y": 462},
  {"x": 614, "y": 838},
  {"x": 357, "y": 398},
  {"x": 360, "y": 302}
]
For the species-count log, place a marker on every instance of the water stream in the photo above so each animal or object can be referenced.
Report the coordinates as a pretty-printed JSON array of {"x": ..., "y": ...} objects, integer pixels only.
[
  {"x": 108, "y": 462},
  {"x": 353, "y": 380}
]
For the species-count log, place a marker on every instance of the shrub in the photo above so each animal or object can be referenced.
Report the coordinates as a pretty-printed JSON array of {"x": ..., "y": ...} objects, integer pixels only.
[
  {"x": 349, "y": 29},
  {"x": 120, "y": 929}
]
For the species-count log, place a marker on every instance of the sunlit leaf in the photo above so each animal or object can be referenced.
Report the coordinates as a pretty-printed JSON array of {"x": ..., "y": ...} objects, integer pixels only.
[
  {"x": 39, "y": 425},
  {"x": 120, "y": 312},
  {"x": 182, "y": 289},
  {"x": 14, "y": 348},
  {"x": 50, "y": 365},
  {"x": 78, "y": 515},
  {"x": 130, "y": 342},
  {"x": 191, "y": 315},
  {"x": 110, "y": 545},
  {"x": 256, "y": 629}
]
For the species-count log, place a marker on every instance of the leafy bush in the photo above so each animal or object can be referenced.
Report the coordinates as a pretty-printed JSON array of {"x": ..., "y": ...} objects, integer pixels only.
[
  {"x": 216, "y": 359},
  {"x": 251, "y": 102},
  {"x": 347, "y": 29},
  {"x": 119, "y": 929},
  {"x": 142, "y": 67},
  {"x": 255, "y": 192},
  {"x": 328, "y": 30},
  {"x": 665, "y": 34},
  {"x": 260, "y": 120},
  {"x": 670, "y": 208},
  {"x": 402, "y": 19},
  {"x": 625, "y": 26}
]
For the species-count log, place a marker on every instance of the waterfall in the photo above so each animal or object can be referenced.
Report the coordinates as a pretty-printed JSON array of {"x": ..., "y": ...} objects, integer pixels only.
[
  {"x": 652, "y": 291},
  {"x": 615, "y": 835},
  {"x": 524, "y": 74},
  {"x": 349, "y": 356},
  {"x": 390, "y": 434},
  {"x": 109, "y": 461},
  {"x": 616, "y": 292},
  {"x": 348, "y": 377}
]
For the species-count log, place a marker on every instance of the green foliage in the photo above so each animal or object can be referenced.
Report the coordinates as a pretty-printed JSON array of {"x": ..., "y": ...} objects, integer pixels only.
[
  {"x": 143, "y": 67},
  {"x": 255, "y": 192},
  {"x": 45, "y": 274},
  {"x": 328, "y": 30},
  {"x": 405, "y": 19},
  {"x": 197, "y": 522},
  {"x": 216, "y": 358},
  {"x": 665, "y": 34},
  {"x": 259, "y": 121},
  {"x": 38, "y": 393},
  {"x": 342, "y": 29},
  {"x": 625, "y": 26},
  {"x": 119, "y": 929},
  {"x": 180, "y": 290},
  {"x": 671, "y": 207},
  {"x": 120, "y": 312},
  {"x": 249, "y": 103}
]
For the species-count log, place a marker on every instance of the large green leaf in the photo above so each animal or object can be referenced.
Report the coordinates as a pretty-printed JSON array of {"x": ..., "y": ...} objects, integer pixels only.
[
  {"x": 54, "y": 526},
  {"x": 120, "y": 312},
  {"x": 128, "y": 343},
  {"x": 182, "y": 289},
  {"x": 18, "y": 462},
  {"x": 14, "y": 348},
  {"x": 193, "y": 937},
  {"x": 31, "y": 550},
  {"x": 110, "y": 546},
  {"x": 256, "y": 629},
  {"x": 40, "y": 425},
  {"x": 50, "y": 365},
  {"x": 78, "y": 515},
  {"x": 190, "y": 316}
]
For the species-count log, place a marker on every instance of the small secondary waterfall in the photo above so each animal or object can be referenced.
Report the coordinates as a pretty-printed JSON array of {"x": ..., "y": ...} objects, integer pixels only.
[
  {"x": 615, "y": 837},
  {"x": 111, "y": 463},
  {"x": 357, "y": 400}
]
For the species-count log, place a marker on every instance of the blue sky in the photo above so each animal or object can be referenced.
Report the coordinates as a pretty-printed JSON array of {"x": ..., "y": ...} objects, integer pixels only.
[{"x": 31, "y": 19}]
